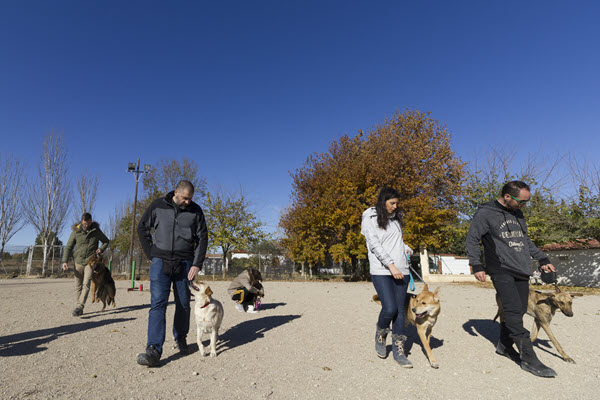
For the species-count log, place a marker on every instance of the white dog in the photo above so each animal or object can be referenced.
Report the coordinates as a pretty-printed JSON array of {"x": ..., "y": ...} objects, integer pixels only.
[{"x": 209, "y": 314}]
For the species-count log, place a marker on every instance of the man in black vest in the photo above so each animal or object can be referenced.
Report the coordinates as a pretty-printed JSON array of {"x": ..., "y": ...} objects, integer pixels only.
[{"x": 173, "y": 234}]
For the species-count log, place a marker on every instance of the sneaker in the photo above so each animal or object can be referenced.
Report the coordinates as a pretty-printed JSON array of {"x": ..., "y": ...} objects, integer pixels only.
[
  {"x": 251, "y": 309},
  {"x": 150, "y": 358},
  {"x": 77, "y": 312},
  {"x": 239, "y": 307},
  {"x": 183, "y": 347}
]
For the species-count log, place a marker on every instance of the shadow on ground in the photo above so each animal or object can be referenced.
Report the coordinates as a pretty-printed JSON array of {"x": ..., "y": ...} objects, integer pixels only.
[
  {"x": 26, "y": 343},
  {"x": 248, "y": 331},
  {"x": 483, "y": 327},
  {"x": 270, "y": 306},
  {"x": 413, "y": 337}
]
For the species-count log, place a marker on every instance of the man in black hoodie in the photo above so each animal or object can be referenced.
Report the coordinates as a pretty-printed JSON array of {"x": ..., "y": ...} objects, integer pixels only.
[
  {"x": 173, "y": 235},
  {"x": 500, "y": 226}
]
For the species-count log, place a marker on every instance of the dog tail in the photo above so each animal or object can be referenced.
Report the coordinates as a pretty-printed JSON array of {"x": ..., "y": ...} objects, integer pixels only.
[{"x": 375, "y": 299}]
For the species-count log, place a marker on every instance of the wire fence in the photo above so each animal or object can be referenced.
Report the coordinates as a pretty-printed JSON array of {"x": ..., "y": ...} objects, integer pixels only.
[{"x": 30, "y": 262}]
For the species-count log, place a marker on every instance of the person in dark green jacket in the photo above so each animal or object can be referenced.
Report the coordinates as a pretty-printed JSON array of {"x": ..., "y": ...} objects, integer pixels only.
[{"x": 82, "y": 244}]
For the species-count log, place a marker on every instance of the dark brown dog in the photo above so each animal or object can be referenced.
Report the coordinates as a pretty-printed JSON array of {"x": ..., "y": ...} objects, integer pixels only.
[
  {"x": 103, "y": 285},
  {"x": 542, "y": 306}
]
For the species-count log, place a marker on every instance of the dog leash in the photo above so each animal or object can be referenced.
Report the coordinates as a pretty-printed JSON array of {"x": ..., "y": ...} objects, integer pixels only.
[{"x": 411, "y": 283}]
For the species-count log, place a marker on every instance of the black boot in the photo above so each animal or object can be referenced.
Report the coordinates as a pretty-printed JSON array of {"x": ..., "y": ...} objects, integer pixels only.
[
  {"x": 529, "y": 361},
  {"x": 505, "y": 344},
  {"x": 398, "y": 351},
  {"x": 380, "y": 337},
  {"x": 151, "y": 358}
]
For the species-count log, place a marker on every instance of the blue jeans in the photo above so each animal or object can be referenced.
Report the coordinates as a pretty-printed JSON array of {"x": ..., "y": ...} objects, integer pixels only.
[
  {"x": 160, "y": 288},
  {"x": 392, "y": 294}
]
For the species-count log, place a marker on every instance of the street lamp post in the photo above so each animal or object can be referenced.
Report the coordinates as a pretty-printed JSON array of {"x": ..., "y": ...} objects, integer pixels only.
[{"x": 132, "y": 167}]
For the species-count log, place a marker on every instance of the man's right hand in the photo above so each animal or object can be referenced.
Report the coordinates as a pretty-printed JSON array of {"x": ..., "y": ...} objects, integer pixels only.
[
  {"x": 480, "y": 276},
  {"x": 65, "y": 267}
]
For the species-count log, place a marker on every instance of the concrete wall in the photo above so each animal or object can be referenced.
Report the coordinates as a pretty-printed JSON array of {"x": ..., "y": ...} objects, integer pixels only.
[
  {"x": 577, "y": 267},
  {"x": 453, "y": 266}
]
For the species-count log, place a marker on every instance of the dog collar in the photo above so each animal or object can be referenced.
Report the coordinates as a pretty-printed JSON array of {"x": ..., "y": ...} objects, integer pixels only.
[{"x": 204, "y": 306}]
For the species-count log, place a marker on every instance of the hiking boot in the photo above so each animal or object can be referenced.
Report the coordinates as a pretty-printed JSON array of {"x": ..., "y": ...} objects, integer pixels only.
[
  {"x": 251, "y": 309},
  {"x": 77, "y": 312},
  {"x": 380, "y": 338},
  {"x": 183, "y": 347},
  {"x": 530, "y": 362},
  {"x": 151, "y": 358},
  {"x": 505, "y": 344},
  {"x": 398, "y": 351},
  {"x": 239, "y": 307}
]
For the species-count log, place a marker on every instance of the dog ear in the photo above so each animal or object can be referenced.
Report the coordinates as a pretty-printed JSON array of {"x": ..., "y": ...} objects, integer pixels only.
[
  {"x": 208, "y": 291},
  {"x": 375, "y": 298},
  {"x": 425, "y": 288},
  {"x": 436, "y": 294}
]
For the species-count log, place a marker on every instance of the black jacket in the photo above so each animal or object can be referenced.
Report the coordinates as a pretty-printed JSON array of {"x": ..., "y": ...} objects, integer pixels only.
[
  {"x": 172, "y": 233},
  {"x": 506, "y": 245}
]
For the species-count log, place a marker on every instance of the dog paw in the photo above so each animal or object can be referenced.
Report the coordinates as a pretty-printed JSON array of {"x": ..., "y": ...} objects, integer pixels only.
[
  {"x": 213, "y": 353},
  {"x": 435, "y": 365},
  {"x": 570, "y": 360}
]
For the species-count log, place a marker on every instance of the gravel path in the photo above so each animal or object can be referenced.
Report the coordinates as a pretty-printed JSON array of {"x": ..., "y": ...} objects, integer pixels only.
[{"x": 312, "y": 340}]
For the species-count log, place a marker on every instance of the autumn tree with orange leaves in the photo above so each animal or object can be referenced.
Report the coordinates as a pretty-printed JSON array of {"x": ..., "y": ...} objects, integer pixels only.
[{"x": 410, "y": 152}]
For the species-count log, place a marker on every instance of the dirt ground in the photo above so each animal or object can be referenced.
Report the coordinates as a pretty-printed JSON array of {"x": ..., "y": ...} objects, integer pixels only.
[{"x": 312, "y": 340}]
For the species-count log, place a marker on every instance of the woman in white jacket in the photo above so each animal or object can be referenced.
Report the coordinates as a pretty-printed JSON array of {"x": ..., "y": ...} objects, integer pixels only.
[{"x": 389, "y": 270}]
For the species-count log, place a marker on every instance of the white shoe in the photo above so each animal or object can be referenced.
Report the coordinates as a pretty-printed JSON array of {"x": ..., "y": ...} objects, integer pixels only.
[
  {"x": 251, "y": 310},
  {"x": 239, "y": 307}
]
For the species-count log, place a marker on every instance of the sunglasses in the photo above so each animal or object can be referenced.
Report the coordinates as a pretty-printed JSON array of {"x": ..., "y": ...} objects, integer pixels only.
[{"x": 517, "y": 200}]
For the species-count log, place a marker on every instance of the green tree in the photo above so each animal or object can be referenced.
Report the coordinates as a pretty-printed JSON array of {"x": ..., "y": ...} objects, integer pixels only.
[
  {"x": 53, "y": 240},
  {"x": 166, "y": 174},
  {"x": 231, "y": 223}
]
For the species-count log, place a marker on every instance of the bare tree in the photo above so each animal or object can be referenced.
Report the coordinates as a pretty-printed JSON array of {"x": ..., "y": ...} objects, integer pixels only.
[
  {"x": 48, "y": 199},
  {"x": 87, "y": 188},
  {"x": 12, "y": 218}
]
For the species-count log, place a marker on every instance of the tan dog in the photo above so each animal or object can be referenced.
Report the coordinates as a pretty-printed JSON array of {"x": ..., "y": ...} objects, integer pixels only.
[
  {"x": 542, "y": 306},
  {"x": 103, "y": 285},
  {"x": 422, "y": 311},
  {"x": 209, "y": 314}
]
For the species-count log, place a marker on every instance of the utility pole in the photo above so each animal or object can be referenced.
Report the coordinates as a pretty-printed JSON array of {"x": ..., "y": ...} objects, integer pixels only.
[{"x": 132, "y": 167}]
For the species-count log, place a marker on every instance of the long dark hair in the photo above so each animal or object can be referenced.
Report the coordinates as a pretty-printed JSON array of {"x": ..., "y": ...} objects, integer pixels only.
[
  {"x": 385, "y": 194},
  {"x": 255, "y": 275}
]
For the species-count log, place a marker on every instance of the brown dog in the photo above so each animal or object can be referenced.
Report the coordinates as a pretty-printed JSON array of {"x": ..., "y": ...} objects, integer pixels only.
[
  {"x": 542, "y": 306},
  {"x": 422, "y": 311},
  {"x": 103, "y": 285}
]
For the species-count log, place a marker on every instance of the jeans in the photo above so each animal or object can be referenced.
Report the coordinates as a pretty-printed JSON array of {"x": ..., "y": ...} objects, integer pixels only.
[
  {"x": 513, "y": 293},
  {"x": 160, "y": 288},
  {"x": 392, "y": 294}
]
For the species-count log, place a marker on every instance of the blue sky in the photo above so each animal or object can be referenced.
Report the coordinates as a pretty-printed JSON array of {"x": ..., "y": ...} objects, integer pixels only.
[{"x": 249, "y": 89}]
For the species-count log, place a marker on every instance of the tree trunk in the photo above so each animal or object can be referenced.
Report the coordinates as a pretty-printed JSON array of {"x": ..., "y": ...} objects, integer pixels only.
[
  {"x": 45, "y": 257},
  {"x": 224, "y": 264}
]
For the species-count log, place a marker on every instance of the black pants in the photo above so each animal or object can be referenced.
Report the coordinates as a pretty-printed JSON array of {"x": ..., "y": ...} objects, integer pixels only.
[
  {"x": 514, "y": 294},
  {"x": 243, "y": 296}
]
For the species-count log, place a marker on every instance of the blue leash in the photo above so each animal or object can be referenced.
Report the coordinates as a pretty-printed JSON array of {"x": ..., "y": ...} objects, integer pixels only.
[{"x": 411, "y": 283}]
